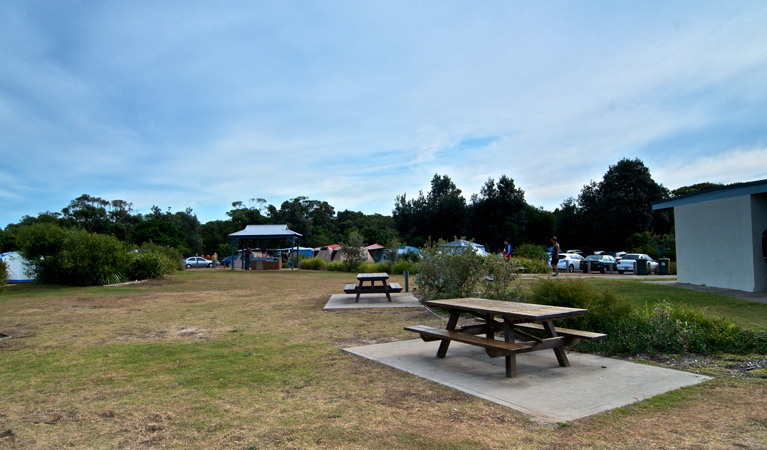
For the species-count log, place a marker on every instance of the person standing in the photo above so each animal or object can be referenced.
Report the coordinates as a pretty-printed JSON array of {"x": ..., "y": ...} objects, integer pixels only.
[
  {"x": 246, "y": 259},
  {"x": 506, "y": 249},
  {"x": 215, "y": 259},
  {"x": 554, "y": 255}
]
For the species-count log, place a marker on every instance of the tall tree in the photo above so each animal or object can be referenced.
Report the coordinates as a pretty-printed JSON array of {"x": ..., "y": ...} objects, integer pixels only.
[
  {"x": 498, "y": 212},
  {"x": 442, "y": 214},
  {"x": 694, "y": 188},
  {"x": 89, "y": 213},
  {"x": 620, "y": 205}
]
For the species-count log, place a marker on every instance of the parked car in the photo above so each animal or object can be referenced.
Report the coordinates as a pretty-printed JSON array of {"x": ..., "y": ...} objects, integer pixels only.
[
  {"x": 198, "y": 261},
  {"x": 569, "y": 261},
  {"x": 626, "y": 264},
  {"x": 598, "y": 263}
]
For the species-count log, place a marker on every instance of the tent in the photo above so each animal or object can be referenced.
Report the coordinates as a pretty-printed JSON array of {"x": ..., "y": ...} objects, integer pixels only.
[
  {"x": 326, "y": 253},
  {"x": 478, "y": 248},
  {"x": 376, "y": 251},
  {"x": 407, "y": 249},
  {"x": 19, "y": 269},
  {"x": 301, "y": 251}
]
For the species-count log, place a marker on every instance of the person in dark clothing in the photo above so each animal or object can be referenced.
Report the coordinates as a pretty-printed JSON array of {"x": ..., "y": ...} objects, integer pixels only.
[{"x": 554, "y": 255}]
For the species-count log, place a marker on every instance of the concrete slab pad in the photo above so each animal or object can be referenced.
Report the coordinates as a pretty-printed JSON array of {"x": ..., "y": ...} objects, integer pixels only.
[
  {"x": 346, "y": 301},
  {"x": 542, "y": 389}
]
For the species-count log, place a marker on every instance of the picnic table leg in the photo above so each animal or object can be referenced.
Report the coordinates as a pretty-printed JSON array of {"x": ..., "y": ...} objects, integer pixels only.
[
  {"x": 511, "y": 360},
  {"x": 559, "y": 351},
  {"x": 359, "y": 291},
  {"x": 386, "y": 290},
  {"x": 451, "y": 323}
]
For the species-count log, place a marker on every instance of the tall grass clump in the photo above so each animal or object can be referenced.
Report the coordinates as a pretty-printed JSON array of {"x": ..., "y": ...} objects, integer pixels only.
[
  {"x": 664, "y": 328},
  {"x": 153, "y": 261},
  {"x": 312, "y": 264}
]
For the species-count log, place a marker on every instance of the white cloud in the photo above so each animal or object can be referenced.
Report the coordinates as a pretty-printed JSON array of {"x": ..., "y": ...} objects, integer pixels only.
[{"x": 733, "y": 166}]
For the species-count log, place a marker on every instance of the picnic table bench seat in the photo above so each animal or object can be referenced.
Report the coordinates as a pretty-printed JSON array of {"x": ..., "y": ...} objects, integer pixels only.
[
  {"x": 494, "y": 347},
  {"x": 576, "y": 334},
  {"x": 354, "y": 288}
]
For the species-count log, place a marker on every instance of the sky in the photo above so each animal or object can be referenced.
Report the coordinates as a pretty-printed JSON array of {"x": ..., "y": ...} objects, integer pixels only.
[{"x": 200, "y": 104}]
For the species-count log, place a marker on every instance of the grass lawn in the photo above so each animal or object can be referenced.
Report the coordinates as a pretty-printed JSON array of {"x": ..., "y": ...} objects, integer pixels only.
[{"x": 249, "y": 360}]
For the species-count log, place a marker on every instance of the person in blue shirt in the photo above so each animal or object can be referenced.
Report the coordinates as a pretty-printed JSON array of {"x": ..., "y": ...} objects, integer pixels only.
[{"x": 506, "y": 249}]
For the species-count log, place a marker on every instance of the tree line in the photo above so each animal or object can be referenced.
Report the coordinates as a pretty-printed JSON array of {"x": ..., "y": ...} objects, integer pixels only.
[{"x": 612, "y": 214}]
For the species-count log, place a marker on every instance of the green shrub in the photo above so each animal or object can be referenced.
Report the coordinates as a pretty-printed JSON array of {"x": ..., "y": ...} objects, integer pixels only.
[
  {"x": 500, "y": 277},
  {"x": 370, "y": 267},
  {"x": 153, "y": 261},
  {"x": 401, "y": 266},
  {"x": 74, "y": 256},
  {"x": 603, "y": 306},
  {"x": 175, "y": 260},
  {"x": 663, "y": 328},
  {"x": 338, "y": 266},
  {"x": 87, "y": 259},
  {"x": 147, "y": 265},
  {"x": 40, "y": 240},
  {"x": 460, "y": 272},
  {"x": 536, "y": 265},
  {"x": 312, "y": 263}
]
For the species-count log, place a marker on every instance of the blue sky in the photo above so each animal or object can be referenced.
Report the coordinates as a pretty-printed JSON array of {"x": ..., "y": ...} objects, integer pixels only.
[{"x": 200, "y": 104}]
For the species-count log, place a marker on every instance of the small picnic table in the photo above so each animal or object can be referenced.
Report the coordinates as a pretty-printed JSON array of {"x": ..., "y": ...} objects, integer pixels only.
[
  {"x": 523, "y": 319},
  {"x": 362, "y": 278}
]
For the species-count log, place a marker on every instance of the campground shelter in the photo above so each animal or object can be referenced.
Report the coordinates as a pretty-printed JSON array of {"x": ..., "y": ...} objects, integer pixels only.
[
  {"x": 721, "y": 236},
  {"x": 266, "y": 232}
]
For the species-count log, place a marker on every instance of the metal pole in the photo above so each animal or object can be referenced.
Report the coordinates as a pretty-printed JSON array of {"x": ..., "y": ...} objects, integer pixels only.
[{"x": 407, "y": 277}]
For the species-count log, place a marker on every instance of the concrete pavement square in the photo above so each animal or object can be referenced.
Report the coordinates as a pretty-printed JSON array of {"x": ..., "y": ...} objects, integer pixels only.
[
  {"x": 542, "y": 389},
  {"x": 346, "y": 301}
]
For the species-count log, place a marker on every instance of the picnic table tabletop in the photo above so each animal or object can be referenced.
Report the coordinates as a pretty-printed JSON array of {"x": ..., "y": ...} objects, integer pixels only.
[
  {"x": 372, "y": 276},
  {"x": 526, "y": 311}
]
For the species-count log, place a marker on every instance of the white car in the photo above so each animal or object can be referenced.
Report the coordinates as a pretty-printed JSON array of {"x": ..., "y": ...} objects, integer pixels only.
[
  {"x": 198, "y": 261},
  {"x": 569, "y": 261},
  {"x": 627, "y": 262}
]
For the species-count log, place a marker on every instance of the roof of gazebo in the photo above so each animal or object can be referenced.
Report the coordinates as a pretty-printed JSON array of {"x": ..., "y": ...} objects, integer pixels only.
[{"x": 265, "y": 232}]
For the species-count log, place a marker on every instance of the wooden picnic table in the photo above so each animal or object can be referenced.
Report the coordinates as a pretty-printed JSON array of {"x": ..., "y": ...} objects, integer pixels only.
[
  {"x": 362, "y": 278},
  {"x": 518, "y": 319}
]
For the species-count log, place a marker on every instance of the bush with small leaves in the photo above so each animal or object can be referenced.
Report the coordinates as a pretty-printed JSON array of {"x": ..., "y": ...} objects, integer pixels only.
[{"x": 312, "y": 264}]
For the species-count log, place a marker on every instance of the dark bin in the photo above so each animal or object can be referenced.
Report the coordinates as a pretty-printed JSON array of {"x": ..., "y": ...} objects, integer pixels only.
[
  {"x": 641, "y": 266},
  {"x": 663, "y": 266}
]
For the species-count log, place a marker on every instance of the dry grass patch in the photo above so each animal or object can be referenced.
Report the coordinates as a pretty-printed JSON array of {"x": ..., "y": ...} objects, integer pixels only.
[{"x": 236, "y": 360}]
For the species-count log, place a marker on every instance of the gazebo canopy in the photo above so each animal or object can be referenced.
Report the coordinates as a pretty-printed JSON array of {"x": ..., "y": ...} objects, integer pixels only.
[{"x": 264, "y": 232}]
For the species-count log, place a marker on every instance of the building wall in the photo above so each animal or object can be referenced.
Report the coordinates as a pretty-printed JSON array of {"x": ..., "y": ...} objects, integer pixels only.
[
  {"x": 759, "y": 226},
  {"x": 715, "y": 243}
]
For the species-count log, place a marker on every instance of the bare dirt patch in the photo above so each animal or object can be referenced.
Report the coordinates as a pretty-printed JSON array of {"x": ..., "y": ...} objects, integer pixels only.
[{"x": 179, "y": 333}]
